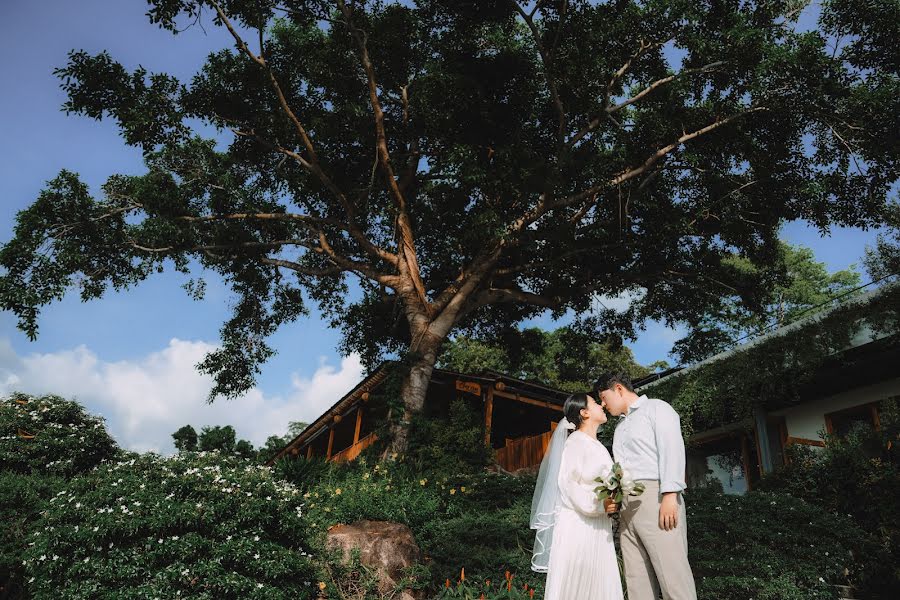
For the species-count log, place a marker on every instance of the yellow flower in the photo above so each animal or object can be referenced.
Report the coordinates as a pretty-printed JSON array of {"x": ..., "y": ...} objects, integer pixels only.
[
  {"x": 337, "y": 492},
  {"x": 423, "y": 481},
  {"x": 452, "y": 491},
  {"x": 321, "y": 585},
  {"x": 463, "y": 489}
]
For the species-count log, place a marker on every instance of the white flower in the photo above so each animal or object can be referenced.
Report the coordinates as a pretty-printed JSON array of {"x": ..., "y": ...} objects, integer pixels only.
[
  {"x": 256, "y": 556},
  {"x": 255, "y": 538}
]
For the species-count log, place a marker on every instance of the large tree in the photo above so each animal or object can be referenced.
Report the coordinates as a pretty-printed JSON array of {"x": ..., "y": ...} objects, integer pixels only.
[{"x": 471, "y": 163}]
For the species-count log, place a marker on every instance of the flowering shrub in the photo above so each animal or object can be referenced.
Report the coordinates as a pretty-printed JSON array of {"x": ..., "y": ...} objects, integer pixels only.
[
  {"x": 22, "y": 498},
  {"x": 198, "y": 525},
  {"x": 772, "y": 546},
  {"x": 51, "y": 435},
  {"x": 43, "y": 441}
]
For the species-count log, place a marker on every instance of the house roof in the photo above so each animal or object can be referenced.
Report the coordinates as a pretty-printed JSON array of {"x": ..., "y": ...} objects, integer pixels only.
[
  {"x": 343, "y": 405},
  {"x": 349, "y": 401},
  {"x": 858, "y": 340}
]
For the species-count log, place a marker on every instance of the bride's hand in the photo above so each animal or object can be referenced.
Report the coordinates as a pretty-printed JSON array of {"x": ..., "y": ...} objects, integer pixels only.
[{"x": 610, "y": 506}]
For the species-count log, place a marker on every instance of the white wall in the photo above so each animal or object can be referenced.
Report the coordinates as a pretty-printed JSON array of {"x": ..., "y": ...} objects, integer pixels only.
[{"x": 808, "y": 420}]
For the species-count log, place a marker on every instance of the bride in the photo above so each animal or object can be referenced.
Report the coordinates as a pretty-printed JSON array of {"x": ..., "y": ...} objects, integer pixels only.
[{"x": 566, "y": 513}]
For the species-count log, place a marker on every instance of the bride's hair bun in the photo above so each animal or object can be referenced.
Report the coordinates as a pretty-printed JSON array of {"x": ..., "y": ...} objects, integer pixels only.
[{"x": 572, "y": 408}]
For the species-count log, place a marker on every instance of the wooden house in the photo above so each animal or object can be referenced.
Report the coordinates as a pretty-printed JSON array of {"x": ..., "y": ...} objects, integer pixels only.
[{"x": 519, "y": 416}]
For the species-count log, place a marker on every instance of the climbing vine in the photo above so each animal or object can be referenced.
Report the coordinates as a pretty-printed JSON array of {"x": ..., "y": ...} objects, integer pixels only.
[{"x": 778, "y": 369}]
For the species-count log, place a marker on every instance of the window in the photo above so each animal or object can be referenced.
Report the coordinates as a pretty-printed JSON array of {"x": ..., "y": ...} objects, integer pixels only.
[
  {"x": 728, "y": 461},
  {"x": 841, "y": 422}
]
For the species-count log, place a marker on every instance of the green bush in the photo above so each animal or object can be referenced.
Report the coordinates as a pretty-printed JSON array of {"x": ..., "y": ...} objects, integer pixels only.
[
  {"x": 772, "y": 546},
  {"x": 22, "y": 498},
  {"x": 478, "y": 521},
  {"x": 857, "y": 477},
  {"x": 449, "y": 446},
  {"x": 51, "y": 436},
  {"x": 198, "y": 525}
]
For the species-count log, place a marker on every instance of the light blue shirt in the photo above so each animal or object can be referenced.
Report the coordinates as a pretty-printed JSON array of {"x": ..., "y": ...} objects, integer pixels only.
[{"x": 648, "y": 444}]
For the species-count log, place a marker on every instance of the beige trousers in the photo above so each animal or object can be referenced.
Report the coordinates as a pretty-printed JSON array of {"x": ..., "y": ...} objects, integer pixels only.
[{"x": 655, "y": 559}]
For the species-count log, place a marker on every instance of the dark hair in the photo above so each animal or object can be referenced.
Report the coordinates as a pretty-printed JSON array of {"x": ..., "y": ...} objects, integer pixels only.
[
  {"x": 572, "y": 407},
  {"x": 606, "y": 381}
]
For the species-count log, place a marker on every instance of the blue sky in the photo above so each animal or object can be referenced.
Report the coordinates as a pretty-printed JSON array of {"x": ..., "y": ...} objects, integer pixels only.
[{"x": 133, "y": 350}]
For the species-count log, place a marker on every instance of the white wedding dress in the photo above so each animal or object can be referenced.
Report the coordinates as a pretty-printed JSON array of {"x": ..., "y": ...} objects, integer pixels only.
[{"x": 583, "y": 564}]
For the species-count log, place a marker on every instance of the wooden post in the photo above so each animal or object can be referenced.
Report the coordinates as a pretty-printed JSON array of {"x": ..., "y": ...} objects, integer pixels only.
[
  {"x": 764, "y": 452},
  {"x": 745, "y": 459},
  {"x": 358, "y": 424},
  {"x": 488, "y": 416},
  {"x": 330, "y": 444},
  {"x": 309, "y": 452}
]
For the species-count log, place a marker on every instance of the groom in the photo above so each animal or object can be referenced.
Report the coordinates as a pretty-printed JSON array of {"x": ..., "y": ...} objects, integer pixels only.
[{"x": 648, "y": 445}]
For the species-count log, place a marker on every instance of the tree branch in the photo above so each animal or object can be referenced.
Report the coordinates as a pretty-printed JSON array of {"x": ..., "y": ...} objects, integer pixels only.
[
  {"x": 501, "y": 295},
  {"x": 403, "y": 221},
  {"x": 311, "y": 165},
  {"x": 547, "y": 61},
  {"x": 297, "y": 267},
  {"x": 663, "y": 81},
  {"x": 272, "y": 79},
  {"x": 351, "y": 227},
  {"x": 609, "y": 110},
  {"x": 651, "y": 161}
]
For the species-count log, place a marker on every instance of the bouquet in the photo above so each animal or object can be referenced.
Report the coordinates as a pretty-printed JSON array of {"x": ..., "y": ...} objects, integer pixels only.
[{"x": 617, "y": 485}]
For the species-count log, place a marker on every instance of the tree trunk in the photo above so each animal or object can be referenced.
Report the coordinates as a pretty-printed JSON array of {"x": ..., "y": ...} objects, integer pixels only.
[{"x": 414, "y": 389}]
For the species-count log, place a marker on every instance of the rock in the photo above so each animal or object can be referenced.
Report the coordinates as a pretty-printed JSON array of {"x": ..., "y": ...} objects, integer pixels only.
[{"x": 387, "y": 547}]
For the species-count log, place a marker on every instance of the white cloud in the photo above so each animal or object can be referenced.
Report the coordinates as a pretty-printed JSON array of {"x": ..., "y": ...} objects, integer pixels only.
[
  {"x": 622, "y": 301},
  {"x": 146, "y": 399}
]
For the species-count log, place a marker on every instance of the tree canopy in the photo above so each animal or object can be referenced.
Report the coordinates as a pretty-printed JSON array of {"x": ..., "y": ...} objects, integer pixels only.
[{"x": 471, "y": 163}]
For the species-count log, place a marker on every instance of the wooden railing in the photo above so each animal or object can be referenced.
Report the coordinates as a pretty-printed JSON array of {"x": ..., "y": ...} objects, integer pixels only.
[
  {"x": 353, "y": 451},
  {"x": 523, "y": 452}
]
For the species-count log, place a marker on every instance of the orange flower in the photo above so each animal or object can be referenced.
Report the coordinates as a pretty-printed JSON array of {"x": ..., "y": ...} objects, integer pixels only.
[
  {"x": 447, "y": 584},
  {"x": 507, "y": 575},
  {"x": 462, "y": 574},
  {"x": 531, "y": 594}
]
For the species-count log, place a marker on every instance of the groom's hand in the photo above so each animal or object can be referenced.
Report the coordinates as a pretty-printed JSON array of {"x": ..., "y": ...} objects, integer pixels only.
[{"x": 668, "y": 511}]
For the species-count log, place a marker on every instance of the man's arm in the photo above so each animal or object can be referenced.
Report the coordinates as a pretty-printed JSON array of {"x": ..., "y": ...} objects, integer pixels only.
[{"x": 671, "y": 457}]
